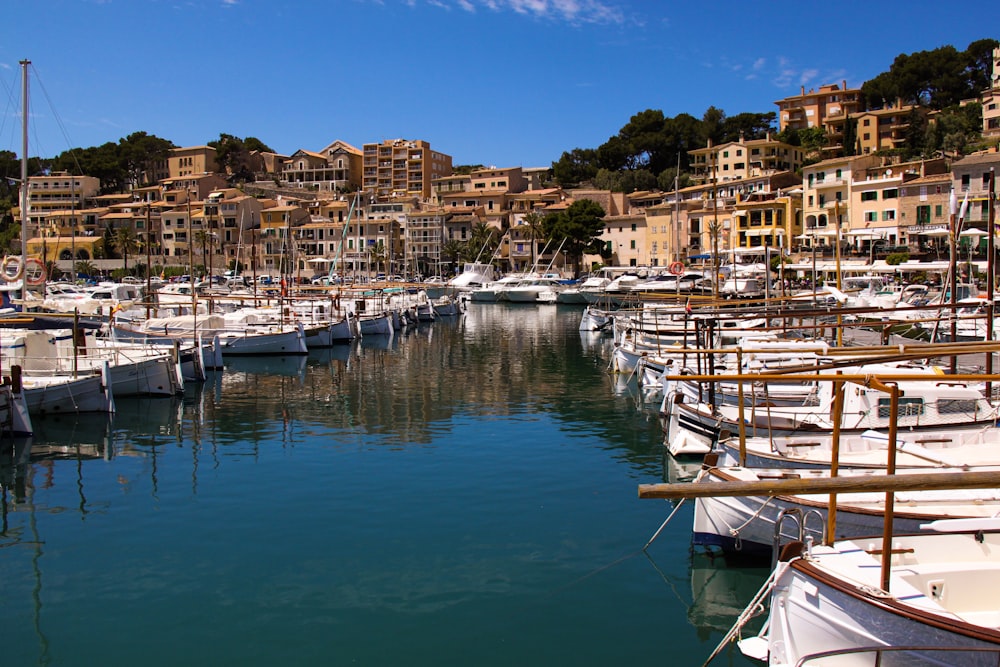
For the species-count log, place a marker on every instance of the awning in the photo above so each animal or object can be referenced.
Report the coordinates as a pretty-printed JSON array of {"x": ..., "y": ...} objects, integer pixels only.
[
  {"x": 934, "y": 232},
  {"x": 865, "y": 234}
]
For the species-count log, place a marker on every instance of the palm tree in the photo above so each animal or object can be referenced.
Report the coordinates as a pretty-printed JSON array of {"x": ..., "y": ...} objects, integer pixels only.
[
  {"x": 201, "y": 237},
  {"x": 533, "y": 221},
  {"x": 377, "y": 255},
  {"x": 451, "y": 252},
  {"x": 125, "y": 242},
  {"x": 483, "y": 239},
  {"x": 86, "y": 267}
]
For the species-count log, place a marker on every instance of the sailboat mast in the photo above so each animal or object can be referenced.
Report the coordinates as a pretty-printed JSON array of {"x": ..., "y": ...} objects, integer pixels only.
[{"x": 24, "y": 176}]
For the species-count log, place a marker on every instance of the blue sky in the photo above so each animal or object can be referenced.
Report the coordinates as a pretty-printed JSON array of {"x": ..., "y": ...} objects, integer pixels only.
[{"x": 495, "y": 82}]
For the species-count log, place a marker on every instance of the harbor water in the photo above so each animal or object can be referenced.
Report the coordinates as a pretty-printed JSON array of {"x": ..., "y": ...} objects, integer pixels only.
[{"x": 463, "y": 494}]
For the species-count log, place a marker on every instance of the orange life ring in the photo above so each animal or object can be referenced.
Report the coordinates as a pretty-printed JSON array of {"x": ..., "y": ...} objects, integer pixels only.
[
  {"x": 12, "y": 268},
  {"x": 34, "y": 272},
  {"x": 676, "y": 268}
]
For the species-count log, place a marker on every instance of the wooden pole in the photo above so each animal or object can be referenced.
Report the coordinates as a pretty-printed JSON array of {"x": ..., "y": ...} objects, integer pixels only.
[
  {"x": 857, "y": 378},
  {"x": 789, "y": 487},
  {"x": 890, "y": 497},
  {"x": 838, "y": 416}
]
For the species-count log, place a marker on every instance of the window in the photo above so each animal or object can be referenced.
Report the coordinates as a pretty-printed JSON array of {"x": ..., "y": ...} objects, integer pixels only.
[
  {"x": 891, "y": 193},
  {"x": 840, "y": 173},
  {"x": 739, "y": 153},
  {"x": 871, "y": 195},
  {"x": 937, "y": 211},
  {"x": 633, "y": 226},
  {"x": 871, "y": 216},
  {"x": 889, "y": 215},
  {"x": 951, "y": 406},
  {"x": 632, "y": 244},
  {"x": 923, "y": 214},
  {"x": 908, "y": 407},
  {"x": 965, "y": 182},
  {"x": 866, "y": 136},
  {"x": 725, "y": 154},
  {"x": 866, "y": 122}
]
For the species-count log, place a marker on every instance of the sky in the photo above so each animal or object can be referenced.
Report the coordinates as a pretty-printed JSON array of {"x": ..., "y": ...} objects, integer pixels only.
[{"x": 500, "y": 83}]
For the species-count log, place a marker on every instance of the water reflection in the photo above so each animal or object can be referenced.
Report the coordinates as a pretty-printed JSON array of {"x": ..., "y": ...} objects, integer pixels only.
[{"x": 719, "y": 593}]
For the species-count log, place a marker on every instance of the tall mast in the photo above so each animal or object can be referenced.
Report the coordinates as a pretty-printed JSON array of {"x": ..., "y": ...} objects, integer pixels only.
[{"x": 24, "y": 176}]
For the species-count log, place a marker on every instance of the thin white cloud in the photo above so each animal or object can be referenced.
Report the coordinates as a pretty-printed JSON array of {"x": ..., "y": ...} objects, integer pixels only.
[
  {"x": 758, "y": 64},
  {"x": 574, "y": 12},
  {"x": 807, "y": 75}
]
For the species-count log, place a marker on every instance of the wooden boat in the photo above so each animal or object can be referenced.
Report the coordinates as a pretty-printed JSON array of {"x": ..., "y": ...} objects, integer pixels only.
[
  {"x": 753, "y": 525},
  {"x": 937, "y": 606}
]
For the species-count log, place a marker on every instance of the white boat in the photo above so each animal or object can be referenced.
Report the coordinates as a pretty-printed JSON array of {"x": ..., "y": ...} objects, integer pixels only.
[
  {"x": 750, "y": 525},
  {"x": 474, "y": 275},
  {"x": 830, "y": 605},
  {"x": 447, "y": 306},
  {"x": 236, "y": 333},
  {"x": 923, "y": 406},
  {"x": 375, "y": 325},
  {"x": 491, "y": 292},
  {"x": 950, "y": 446},
  {"x": 527, "y": 290}
]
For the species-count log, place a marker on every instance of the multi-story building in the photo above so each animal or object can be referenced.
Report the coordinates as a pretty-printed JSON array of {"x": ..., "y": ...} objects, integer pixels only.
[
  {"x": 882, "y": 129},
  {"x": 742, "y": 159},
  {"x": 991, "y": 100},
  {"x": 971, "y": 181},
  {"x": 60, "y": 191},
  {"x": 336, "y": 168},
  {"x": 818, "y": 108},
  {"x": 768, "y": 220},
  {"x": 924, "y": 215},
  {"x": 424, "y": 235},
  {"x": 826, "y": 195},
  {"x": 191, "y": 161},
  {"x": 624, "y": 239},
  {"x": 402, "y": 167}
]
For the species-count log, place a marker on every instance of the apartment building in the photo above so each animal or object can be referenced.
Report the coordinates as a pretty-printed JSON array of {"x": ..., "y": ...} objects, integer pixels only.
[
  {"x": 991, "y": 100},
  {"x": 336, "y": 168},
  {"x": 275, "y": 247},
  {"x": 971, "y": 181},
  {"x": 402, "y": 167},
  {"x": 191, "y": 161},
  {"x": 882, "y": 129},
  {"x": 768, "y": 220},
  {"x": 624, "y": 239},
  {"x": 59, "y": 191},
  {"x": 818, "y": 108},
  {"x": 826, "y": 195},
  {"x": 737, "y": 160},
  {"x": 925, "y": 215}
]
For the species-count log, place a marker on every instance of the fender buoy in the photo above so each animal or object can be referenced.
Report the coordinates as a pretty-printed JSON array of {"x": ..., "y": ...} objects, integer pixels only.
[
  {"x": 12, "y": 268},
  {"x": 676, "y": 268},
  {"x": 34, "y": 272}
]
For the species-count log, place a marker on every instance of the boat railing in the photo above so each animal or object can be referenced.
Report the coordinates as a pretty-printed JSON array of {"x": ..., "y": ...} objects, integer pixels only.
[{"x": 879, "y": 652}]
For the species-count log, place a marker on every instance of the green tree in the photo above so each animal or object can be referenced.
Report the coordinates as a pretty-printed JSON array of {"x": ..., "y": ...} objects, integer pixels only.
[
  {"x": 748, "y": 126},
  {"x": 483, "y": 240},
  {"x": 84, "y": 267},
  {"x": 577, "y": 229},
  {"x": 452, "y": 251},
  {"x": 139, "y": 153},
  {"x": 533, "y": 221},
  {"x": 234, "y": 155},
  {"x": 125, "y": 243},
  {"x": 575, "y": 167},
  {"x": 377, "y": 255},
  {"x": 712, "y": 126}
]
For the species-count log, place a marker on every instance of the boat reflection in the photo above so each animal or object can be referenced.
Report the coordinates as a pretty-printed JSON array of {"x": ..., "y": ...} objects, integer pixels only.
[
  {"x": 290, "y": 366},
  {"x": 720, "y": 593}
]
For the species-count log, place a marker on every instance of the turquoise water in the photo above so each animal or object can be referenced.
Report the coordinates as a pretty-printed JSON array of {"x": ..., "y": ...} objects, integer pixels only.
[{"x": 464, "y": 494}]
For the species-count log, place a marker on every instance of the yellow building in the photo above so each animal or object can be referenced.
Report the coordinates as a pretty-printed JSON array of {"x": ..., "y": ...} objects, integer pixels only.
[
  {"x": 191, "y": 161},
  {"x": 743, "y": 159}
]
